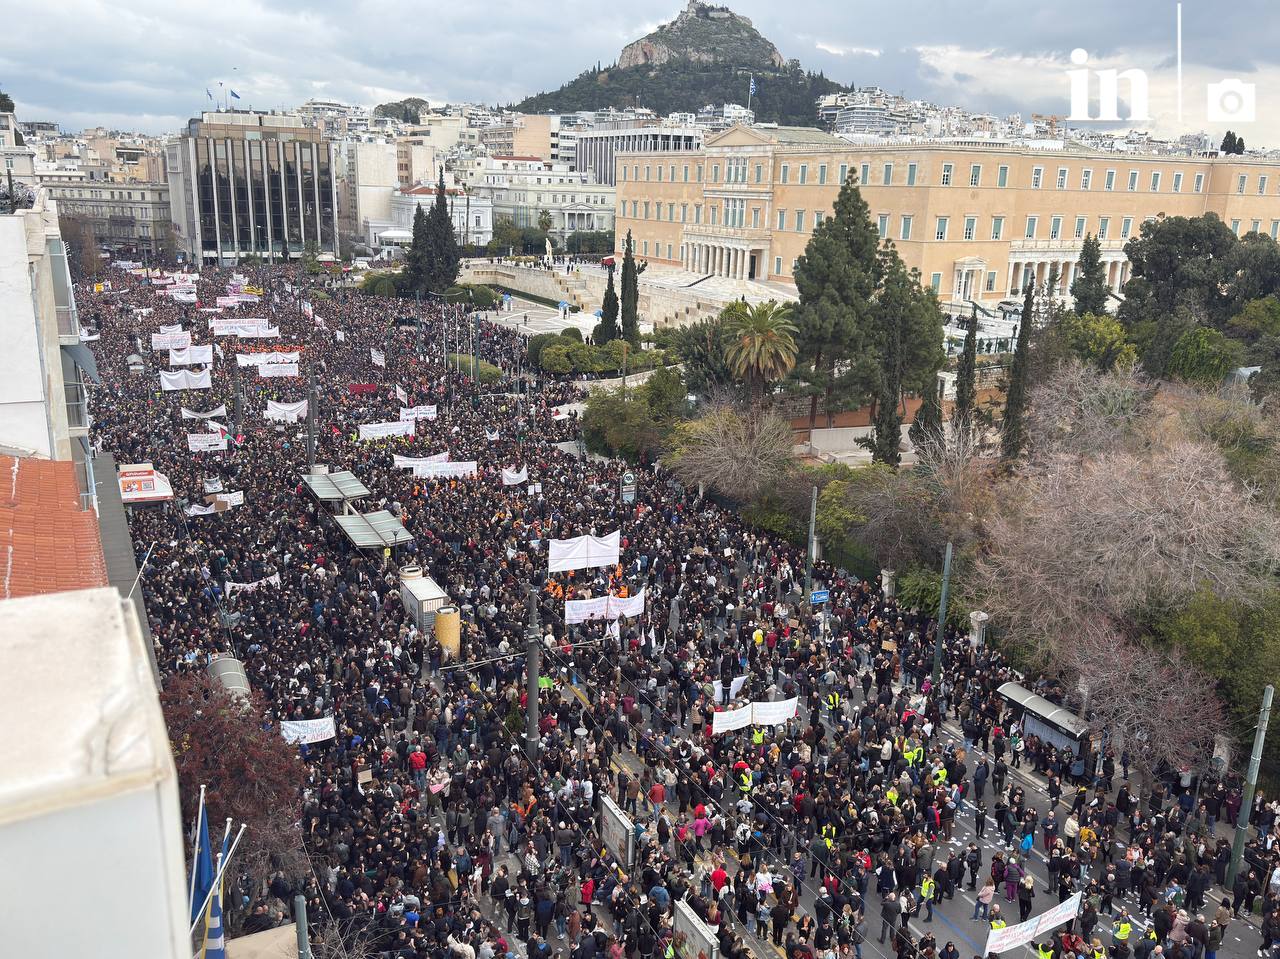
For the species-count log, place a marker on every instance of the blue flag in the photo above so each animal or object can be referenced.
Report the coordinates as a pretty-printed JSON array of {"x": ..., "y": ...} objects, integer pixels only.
[
  {"x": 208, "y": 93},
  {"x": 214, "y": 939},
  {"x": 234, "y": 95},
  {"x": 202, "y": 867},
  {"x": 753, "y": 86}
]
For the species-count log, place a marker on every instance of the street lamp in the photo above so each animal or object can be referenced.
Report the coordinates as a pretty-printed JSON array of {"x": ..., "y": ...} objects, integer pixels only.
[{"x": 533, "y": 656}]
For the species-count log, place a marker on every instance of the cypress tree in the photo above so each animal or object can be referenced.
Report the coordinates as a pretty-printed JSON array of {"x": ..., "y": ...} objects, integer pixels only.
[
  {"x": 1090, "y": 285},
  {"x": 888, "y": 422},
  {"x": 966, "y": 376},
  {"x": 415, "y": 275},
  {"x": 444, "y": 262},
  {"x": 926, "y": 428},
  {"x": 608, "y": 314},
  {"x": 630, "y": 296},
  {"x": 1013, "y": 435}
]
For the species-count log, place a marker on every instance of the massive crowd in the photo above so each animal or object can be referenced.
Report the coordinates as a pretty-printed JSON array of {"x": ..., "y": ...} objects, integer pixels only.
[{"x": 825, "y": 836}]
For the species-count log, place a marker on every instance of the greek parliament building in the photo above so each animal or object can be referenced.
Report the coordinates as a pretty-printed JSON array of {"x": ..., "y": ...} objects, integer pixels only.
[
  {"x": 977, "y": 219},
  {"x": 242, "y": 182}
]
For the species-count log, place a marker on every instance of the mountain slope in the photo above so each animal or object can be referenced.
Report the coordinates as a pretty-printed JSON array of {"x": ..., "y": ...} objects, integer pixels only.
[{"x": 783, "y": 96}]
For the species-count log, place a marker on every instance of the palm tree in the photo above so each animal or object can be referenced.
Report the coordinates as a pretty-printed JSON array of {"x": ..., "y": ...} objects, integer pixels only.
[{"x": 763, "y": 346}]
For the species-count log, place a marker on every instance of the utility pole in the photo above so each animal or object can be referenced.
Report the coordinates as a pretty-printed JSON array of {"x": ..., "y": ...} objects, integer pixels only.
[
  {"x": 942, "y": 616},
  {"x": 1250, "y": 784},
  {"x": 533, "y": 665},
  {"x": 239, "y": 399},
  {"x": 808, "y": 556},
  {"x": 311, "y": 421},
  {"x": 300, "y": 921}
]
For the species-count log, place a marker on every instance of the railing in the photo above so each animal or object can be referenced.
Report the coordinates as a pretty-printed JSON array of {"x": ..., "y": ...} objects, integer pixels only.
[
  {"x": 695, "y": 234},
  {"x": 1060, "y": 245},
  {"x": 77, "y": 406},
  {"x": 68, "y": 321}
]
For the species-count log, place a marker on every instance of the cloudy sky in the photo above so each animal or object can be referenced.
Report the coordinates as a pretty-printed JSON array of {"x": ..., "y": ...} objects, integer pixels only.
[{"x": 145, "y": 65}]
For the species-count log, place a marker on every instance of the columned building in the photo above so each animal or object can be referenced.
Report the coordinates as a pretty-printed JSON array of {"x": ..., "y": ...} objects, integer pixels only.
[
  {"x": 977, "y": 219},
  {"x": 243, "y": 183}
]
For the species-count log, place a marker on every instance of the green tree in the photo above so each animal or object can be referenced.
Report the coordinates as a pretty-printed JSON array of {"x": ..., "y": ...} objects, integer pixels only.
[
  {"x": 544, "y": 221},
  {"x": 556, "y": 358},
  {"x": 1232, "y": 144},
  {"x": 1096, "y": 338},
  {"x": 630, "y": 298},
  {"x": 608, "y": 328},
  {"x": 1013, "y": 431},
  {"x": 416, "y": 277},
  {"x": 907, "y": 324},
  {"x": 443, "y": 262},
  {"x": 1090, "y": 285},
  {"x": 763, "y": 346},
  {"x": 837, "y": 278},
  {"x": 926, "y": 428},
  {"x": 1204, "y": 356},
  {"x": 1258, "y": 318},
  {"x": 636, "y": 424},
  {"x": 703, "y": 348},
  {"x": 6, "y": 103},
  {"x": 966, "y": 374}
]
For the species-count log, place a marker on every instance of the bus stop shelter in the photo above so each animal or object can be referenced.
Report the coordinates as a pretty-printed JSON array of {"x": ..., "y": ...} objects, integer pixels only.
[
  {"x": 1052, "y": 723},
  {"x": 339, "y": 489},
  {"x": 379, "y": 530}
]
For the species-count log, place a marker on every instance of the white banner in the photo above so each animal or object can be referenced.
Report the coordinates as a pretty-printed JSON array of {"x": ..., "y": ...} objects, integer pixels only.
[
  {"x": 402, "y": 396},
  {"x": 185, "y": 295},
  {"x": 170, "y": 327},
  {"x": 584, "y": 552},
  {"x": 233, "y": 588},
  {"x": 373, "y": 431},
  {"x": 286, "y": 412},
  {"x": 491, "y": 435},
  {"x": 1010, "y": 937},
  {"x": 193, "y": 415},
  {"x": 514, "y": 477},
  {"x": 213, "y": 484},
  {"x": 340, "y": 336},
  {"x": 275, "y": 356},
  {"x": 604, "y": 607},
  {"x": 581, "y": 610},
  {"x": 228, "y": 500},
  {"x": 171, "y": 380},
  {"x": 170, "y": 341},
  {"x": 308, "y": 730},
  {"x": 730, "y": 719},
  {"x": 200, "y": 510},
  {"x": 377, "y": 357},
  {"x": 408, "y": 413},
  {"x": 205, "y": 442},
  {"x": 735, "y": 687},
  {"x": 413, "y": 462},
  {"x": 191, "y": 356},
  {"x": 277, "y": 369},
  {"x": 465, "y": 470},
  {"x": 247, "y": 328},
  {"x": 773, "y": 714}
]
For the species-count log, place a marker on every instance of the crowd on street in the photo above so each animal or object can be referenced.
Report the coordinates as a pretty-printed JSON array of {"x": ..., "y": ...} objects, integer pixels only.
[{"x": 847, "y": 831}]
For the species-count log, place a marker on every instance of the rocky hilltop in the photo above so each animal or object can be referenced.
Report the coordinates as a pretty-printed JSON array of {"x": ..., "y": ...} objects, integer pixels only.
[{"x": 703, "y": 33}]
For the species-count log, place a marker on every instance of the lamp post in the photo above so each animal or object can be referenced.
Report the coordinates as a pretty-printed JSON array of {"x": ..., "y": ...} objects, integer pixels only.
[
  {"x": 942, "y": 616},
  {"x": 533, "y": 664}
]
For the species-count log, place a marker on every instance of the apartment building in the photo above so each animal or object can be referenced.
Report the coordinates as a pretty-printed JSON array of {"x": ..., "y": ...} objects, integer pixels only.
[
  {"x": 535, "y": 135},
  {"x": 978, "y": 219},
  {"x": 131, "y": 219}
]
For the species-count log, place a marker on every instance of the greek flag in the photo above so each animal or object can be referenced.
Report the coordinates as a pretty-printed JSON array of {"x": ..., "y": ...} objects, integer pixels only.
[
  {"x": 215, "y": 946},
  {"x": 752, "y": 89},
  {"x": 234, "y": 95}
]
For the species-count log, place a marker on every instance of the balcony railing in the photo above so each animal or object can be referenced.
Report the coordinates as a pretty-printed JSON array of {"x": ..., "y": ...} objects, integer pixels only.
[
  {"x": 1061, "y": 245},
  {"x": 698, "y": 233}
]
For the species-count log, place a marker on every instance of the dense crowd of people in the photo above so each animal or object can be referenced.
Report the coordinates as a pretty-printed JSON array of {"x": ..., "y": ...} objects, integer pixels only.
[{"x": 430, "y": 828}]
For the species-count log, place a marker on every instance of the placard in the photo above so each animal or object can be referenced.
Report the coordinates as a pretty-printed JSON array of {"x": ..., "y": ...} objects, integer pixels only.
[{"x": 308, "y": 730}]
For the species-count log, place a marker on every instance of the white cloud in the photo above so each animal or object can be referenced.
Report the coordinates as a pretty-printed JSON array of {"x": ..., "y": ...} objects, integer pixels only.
[{"x": 847, "y": 51}]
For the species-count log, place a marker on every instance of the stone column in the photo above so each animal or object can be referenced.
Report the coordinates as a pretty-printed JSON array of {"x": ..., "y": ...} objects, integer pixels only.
[
  {"x": 977, "y": 628},
  {"x": 887, "y": 583}
]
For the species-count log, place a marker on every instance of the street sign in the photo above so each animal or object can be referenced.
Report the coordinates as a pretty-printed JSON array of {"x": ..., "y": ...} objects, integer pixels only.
[
  {"x": 627, "y": 486},
  {"x": 819, "y": 596}
]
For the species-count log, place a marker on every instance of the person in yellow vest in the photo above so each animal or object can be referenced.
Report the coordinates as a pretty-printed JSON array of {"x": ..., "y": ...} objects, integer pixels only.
[
  {"x": 892, "y": 795},
  {"x": 1121, "y": 929},
  {"x": 757, "y": 737},
  {"x": 927, "y": 889},
  {"x": 997, "y": 920},
  {"x": 833, "y": 703},
  {"x": 829, "y": 835},
  {"x": 940, "y": 775},
  {"x": 1044, "y": 950},
  {"x": 745, "y": 782}
]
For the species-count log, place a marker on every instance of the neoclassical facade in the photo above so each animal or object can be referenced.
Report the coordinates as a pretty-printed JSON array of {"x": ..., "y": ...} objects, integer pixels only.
[{"x": 978, "y": 219}]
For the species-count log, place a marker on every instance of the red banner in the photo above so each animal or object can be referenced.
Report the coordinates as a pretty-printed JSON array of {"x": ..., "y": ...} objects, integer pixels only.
[{"x": 355, "y": 389}]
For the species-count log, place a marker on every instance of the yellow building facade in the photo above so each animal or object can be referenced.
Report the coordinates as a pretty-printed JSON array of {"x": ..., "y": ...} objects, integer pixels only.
[{"x": 978, "y": 220}]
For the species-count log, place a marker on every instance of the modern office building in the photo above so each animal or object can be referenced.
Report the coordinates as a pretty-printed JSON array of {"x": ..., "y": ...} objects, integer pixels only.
[
  {"x": 596, "y": 148},
  {"x": 978, "y": 219},
  {"x": 243, "y": 182}
]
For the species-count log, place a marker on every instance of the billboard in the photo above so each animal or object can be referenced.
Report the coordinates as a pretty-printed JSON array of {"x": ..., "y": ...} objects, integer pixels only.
[{"x": 617, "y": 832}]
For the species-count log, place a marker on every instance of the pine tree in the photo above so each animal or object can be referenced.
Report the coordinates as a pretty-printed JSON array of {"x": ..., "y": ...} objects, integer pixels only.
[
  {"x": 630, "y": 296},
  {"x": 415, "y": 278},
  {"x": 837, "y": 278},
  {"x": 1228, "y": 143},
  {"x": 444, "y": 263},
  {"x": 888, "y": 422},
  {"x": 1090, "y": 285},
  {"x": 608, "y": 314},
  {"x": 966, "y": 376},
  {"x": 1013, "y": 431}
]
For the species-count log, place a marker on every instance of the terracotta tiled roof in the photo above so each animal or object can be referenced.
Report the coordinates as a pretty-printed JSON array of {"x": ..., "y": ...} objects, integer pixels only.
[{"x": 47, "y": 542}]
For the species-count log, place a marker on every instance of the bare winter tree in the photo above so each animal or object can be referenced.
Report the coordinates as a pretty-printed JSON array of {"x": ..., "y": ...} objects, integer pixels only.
[
  {"x": 1084, "y": 545},
  {"x": 1150, "y": 700},
  {"x": 737, "y": 453},
  {"x": 1083, "y": 411}
]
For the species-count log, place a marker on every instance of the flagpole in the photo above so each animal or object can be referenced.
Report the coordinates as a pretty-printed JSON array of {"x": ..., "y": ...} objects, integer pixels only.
[
  {"x": 217, "y": 879},
  {"x": 750, "y": 84},
  {"x": 204, "y": 913},
  {"x": 195, "y": 852}
]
